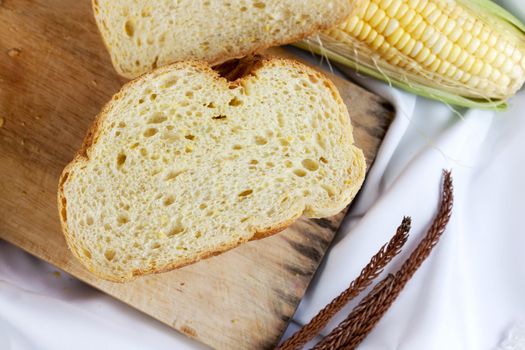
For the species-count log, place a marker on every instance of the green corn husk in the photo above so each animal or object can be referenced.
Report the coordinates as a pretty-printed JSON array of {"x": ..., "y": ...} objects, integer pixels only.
[{"x": 414, "y": 77}]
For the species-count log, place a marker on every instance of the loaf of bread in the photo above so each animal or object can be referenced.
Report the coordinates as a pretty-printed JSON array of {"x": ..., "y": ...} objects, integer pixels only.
[
  {"x": 184, "y": 163},
  {"x": 143, "y": 35}
]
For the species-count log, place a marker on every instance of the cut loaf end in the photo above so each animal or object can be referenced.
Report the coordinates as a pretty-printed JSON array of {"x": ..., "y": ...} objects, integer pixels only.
[
  {"x": 144, "y": 35},
  {"x": 183, "y": 164}
]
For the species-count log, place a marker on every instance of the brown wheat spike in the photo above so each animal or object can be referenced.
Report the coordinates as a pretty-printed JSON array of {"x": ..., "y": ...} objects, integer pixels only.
[
  {"x": 368, "y": 274},
  {"x": 351, "y": 332}
]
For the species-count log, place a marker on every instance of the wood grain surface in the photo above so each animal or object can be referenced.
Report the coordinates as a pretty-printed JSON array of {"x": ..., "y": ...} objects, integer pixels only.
[{"x": 55, "y": 75}]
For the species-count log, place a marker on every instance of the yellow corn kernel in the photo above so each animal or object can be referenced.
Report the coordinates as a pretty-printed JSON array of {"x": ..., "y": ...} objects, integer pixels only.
[
  {"x": 371, "y": 11},
  {"x": 377, "y": 17}
]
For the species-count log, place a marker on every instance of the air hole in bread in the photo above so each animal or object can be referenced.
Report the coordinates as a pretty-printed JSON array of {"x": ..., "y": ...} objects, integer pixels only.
[
  {"x": 284, "y": 142},
  {"x": 198, "y": 234},
  {"x": 173, "y": 174},
  {"x": 129, "y": 28},
  {"x": 259, "y": 140},
  {"x": 155, "y": 245},
  {"x": 210, "y": 105},
  {"x": 254, "y": 161},
  {"x": 146, "y": 12},
  {"x": 168, "y": 201},
  {"x": 299, "y": 172},
  {"x": 313, "y": 78},
  {"x": 122, "y": 125},
  {"x": 122, "y": 220},
  {"x": 234, "y": 102},
  {"x": 220, "y": 116},
  {"x": 280, "y": 120},
  {"x": 89, "y": 220},
  {"x": 86, "y": 253},
  {"x": 175, "y": 230},
  {"x": 270, "y": 164},
  {"x": 237, "y": 147},
  {"x": 288, "y": 163},
  {"x": 329, "y": 190},
  {"x": 153, "y": 97},
  {"x": 169, "y": 82},
  {"x": 189, "y": 94},
  {"x": 320, "y": 141},
  {"x": 203, "y": 206},
  {"x": 259, "y": 4},
  {"x": 157, "y": 118},
  {"x": 310, "y": 164},
  {"x": 323, "y": 160},
  {"x": 150, "y": 132},
  {"x": 121, "y": 159},
  {"x": 63, "y": 213},
  {"x": 245, "y": 193},
  {"x": 189, "y": 137},
  {"x": 109, "y": 254}
]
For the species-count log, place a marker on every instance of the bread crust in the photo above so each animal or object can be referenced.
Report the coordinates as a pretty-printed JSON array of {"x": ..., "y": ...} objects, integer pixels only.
[
  {"x": 218, "y": 59},
  {"x": 83, "y": 156}
]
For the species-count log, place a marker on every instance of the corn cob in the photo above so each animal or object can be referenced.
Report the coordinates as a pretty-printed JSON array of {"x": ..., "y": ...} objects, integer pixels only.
[{"x": 469, "y": 53}]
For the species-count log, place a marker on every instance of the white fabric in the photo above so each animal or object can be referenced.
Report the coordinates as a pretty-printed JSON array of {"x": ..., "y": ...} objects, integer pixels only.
[{"x": 469, "y": 294}]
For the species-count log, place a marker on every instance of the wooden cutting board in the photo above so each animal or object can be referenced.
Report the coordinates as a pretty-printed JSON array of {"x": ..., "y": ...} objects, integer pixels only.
[{"x": 55, "y": 75}]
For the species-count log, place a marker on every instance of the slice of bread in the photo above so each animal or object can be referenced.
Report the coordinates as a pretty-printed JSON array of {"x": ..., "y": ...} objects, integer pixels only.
[
  {"x": 143, "y": 35},
  {"x": 183, "y": 164}
]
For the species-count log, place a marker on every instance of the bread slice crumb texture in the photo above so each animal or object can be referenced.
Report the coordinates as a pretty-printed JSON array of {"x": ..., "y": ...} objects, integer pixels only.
[
  {"x": 143, "y": 35},
  {"x": 183, "y": 164}
]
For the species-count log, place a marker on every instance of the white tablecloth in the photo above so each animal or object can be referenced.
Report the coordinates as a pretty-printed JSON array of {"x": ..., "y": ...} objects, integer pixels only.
[{"x": 469, "y": 295}]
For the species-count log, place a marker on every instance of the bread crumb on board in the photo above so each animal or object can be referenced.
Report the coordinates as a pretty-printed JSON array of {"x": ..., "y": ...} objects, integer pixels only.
[{"x": 14, "y": 52}]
